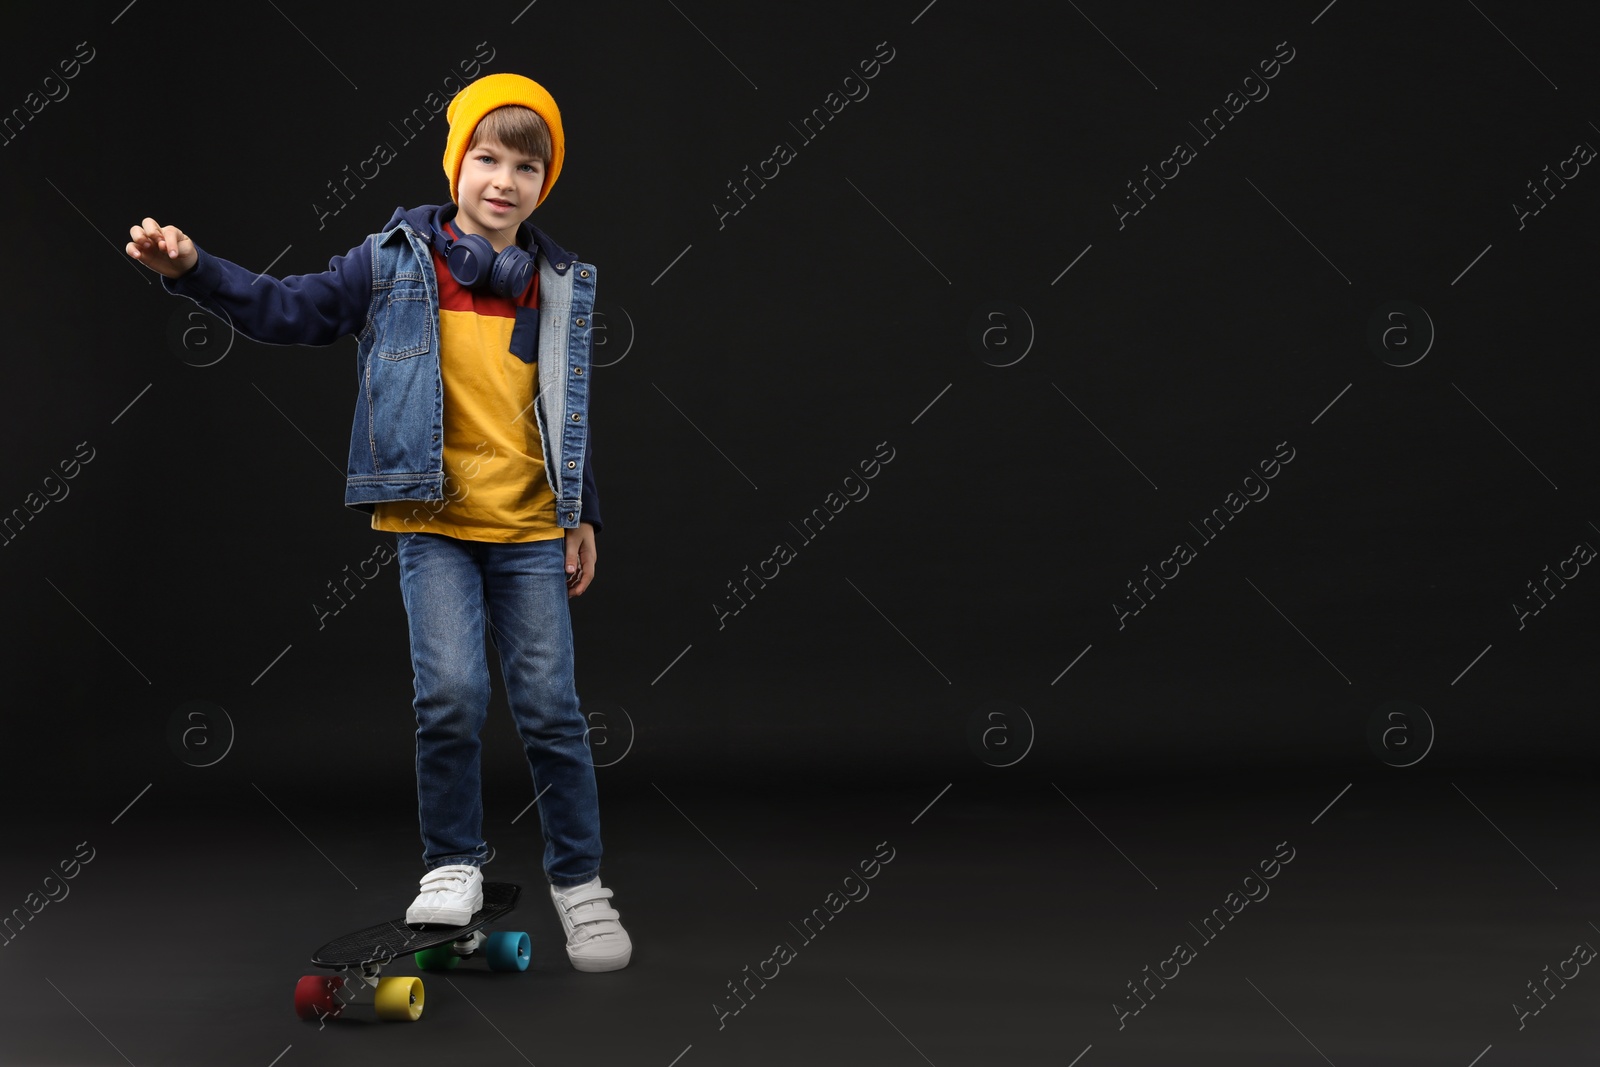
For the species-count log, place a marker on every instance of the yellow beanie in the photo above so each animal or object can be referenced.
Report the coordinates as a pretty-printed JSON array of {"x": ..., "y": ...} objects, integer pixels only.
[{"x": 484, "y": 95}]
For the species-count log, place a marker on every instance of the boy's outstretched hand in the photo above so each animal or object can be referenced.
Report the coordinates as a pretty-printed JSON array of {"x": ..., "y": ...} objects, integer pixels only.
[
  {"x": 580, "y": 559},
  {"x": 164, "y": 249}
]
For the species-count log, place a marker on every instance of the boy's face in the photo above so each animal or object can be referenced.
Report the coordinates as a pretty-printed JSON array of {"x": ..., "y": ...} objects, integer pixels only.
[{"x": 498, "y": 190}]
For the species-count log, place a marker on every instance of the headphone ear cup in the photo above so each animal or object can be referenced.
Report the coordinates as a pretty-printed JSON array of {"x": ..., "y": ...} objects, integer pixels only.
[
  {"x": 471, "y": 259},
  {"x": 513, "y": 270}
]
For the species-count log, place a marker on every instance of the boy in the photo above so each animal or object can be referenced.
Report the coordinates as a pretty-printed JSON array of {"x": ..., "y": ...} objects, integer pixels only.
[{"x": 468, "y": 318}]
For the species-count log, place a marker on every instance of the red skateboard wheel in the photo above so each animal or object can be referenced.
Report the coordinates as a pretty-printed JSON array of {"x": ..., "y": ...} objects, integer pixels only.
[{"x": 316, "y": 996}]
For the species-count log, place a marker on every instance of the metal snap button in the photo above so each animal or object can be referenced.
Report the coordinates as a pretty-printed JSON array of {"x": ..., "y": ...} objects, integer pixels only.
[
  {"x": 571, "y": 463},
  {"x": 569, "y": 516},
  {"x": 583, "y": 274},
  {"x": 580, "y": 322},
  {"x": 578, "y": 371},
  {"x": 576, "y": 417}
]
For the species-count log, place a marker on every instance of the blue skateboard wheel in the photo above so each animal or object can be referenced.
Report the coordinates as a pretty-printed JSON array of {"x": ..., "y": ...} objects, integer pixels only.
[{"x": 508, "y": 950}]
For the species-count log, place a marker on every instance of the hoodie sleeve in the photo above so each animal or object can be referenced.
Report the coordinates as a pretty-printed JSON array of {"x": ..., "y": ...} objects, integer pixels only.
[
  {"x": 302, "y": 309},
  {"x": 589, "y": 511}
]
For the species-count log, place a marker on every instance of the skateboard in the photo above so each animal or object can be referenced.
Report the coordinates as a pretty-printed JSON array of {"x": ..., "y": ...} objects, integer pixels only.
[{"x": 360, "y": 958}]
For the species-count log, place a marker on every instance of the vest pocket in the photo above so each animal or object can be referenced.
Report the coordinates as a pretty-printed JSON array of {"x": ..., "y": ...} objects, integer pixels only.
[
  {"x": 406, "y": 328},
  {"x": 525, "y": 335}
]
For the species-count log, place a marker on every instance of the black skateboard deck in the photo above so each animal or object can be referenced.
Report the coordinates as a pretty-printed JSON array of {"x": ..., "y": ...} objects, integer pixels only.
[
  {"x": 361, "y": 957},
  {"x": 386, "y": 941}
]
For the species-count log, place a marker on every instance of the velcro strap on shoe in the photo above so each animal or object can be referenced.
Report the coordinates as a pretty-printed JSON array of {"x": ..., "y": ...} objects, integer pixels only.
[
  {"x": 579, "y": 896},
  {"x": 452, "y": 872},
  {"x": 597, "y": 913}
]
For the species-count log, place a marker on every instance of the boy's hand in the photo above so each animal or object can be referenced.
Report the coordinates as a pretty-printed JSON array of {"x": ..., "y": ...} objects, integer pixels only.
[
  {"x": 166, "y": 250},
  {"x": 580, "y": 559}
]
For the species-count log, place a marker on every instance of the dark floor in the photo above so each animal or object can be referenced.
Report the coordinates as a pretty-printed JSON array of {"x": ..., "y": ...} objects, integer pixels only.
[{"x": 1005, "y": 929}]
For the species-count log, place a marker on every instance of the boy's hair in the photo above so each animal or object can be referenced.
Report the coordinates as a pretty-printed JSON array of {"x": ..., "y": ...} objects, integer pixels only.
[{"x": 519, "y": 129}]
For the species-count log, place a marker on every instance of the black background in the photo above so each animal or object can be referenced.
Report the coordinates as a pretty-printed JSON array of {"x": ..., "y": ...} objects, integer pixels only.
[
  {"x": 833, "y": 313},
  {"x": 806, "y": 331}
]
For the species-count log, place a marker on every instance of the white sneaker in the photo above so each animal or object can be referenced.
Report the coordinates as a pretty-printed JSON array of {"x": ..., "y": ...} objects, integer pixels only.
[
  {"x": 450, "y": 896},
  {"x": 596, "y": 941}
]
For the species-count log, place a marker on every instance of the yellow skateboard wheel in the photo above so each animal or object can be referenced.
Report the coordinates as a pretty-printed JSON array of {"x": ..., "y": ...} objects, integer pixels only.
[{"x": 399, "y": 999}]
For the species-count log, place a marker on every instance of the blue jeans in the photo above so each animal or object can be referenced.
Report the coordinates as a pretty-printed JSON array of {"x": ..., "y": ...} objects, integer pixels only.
[{"x": 453, "y": 589}]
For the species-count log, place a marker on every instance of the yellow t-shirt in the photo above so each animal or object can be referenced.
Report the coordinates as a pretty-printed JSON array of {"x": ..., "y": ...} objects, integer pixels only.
[{"x": 495, "y": 483}]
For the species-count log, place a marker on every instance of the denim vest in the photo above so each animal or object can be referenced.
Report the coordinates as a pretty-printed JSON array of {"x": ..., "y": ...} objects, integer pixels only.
[{"x": 396, "y": 447}]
